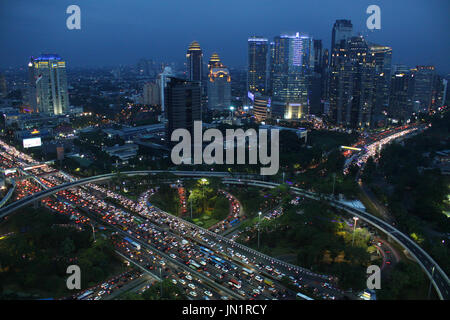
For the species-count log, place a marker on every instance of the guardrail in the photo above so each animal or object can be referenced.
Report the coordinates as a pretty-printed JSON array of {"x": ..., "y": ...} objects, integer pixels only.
[{"x": 381, "y": 225}]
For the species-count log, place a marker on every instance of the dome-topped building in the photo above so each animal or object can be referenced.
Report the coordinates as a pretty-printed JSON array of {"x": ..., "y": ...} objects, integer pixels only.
[
  {"x": 194, "y": 62},
  {"x": 219, "y": 84}
]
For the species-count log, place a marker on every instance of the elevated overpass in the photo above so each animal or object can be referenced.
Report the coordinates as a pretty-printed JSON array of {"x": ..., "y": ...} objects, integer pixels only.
[{"x": 438, "y": 278}]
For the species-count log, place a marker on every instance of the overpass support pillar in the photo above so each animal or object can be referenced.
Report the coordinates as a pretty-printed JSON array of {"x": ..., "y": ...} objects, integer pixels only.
[{"x": 36, "y": 204}]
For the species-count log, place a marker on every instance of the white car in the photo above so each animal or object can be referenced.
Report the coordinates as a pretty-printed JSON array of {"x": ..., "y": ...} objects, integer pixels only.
[
  {"x": 208, "y": 293},
  {"x": 191, "y": 285},
  {"x": 193, "y": 293}
]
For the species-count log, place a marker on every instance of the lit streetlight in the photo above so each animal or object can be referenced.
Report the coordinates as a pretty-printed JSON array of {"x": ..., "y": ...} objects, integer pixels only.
[
  {"x": 93, "y": 231},
  {"x": 354, "y": 228}
]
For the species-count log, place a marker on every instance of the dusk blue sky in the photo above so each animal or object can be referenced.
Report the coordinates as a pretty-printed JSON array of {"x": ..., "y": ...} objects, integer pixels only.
[{"x": 117, "y": 32}]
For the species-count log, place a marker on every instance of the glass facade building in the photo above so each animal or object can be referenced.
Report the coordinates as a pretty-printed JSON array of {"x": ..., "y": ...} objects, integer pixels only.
[{"x": 47, "y": 84}]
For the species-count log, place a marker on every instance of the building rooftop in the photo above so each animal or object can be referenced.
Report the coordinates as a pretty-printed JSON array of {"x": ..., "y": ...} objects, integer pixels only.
[{"x": 47, "y": 57}]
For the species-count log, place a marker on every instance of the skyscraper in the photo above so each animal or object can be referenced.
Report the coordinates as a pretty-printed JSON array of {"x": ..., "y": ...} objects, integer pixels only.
[
  {"x": 261, "y": 107},
  {"x": 183, "y": 105},
  {"x": 423, "y": 81},
  {"x": 342, "y": 31},
  {"x": 194, "y": 62},
  {"x": 151, "y": 94},
  {"x": 258, "y": 49},
  {"x": 317, "y": 78},
  {"x": 352, "y": 84},
  {"x": 318, "y": 57},
  {"x": 400, "y": 103},
  {"x": 219, "y": 85},
  {"x": 383, "y": 57},
  {"x": 48, "y": 84},
  {"x": 164, "y": 77},
  {"x": 291, "y": 68}
]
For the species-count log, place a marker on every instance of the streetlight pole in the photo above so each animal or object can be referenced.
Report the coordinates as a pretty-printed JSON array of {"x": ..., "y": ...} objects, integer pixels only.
[
  {"x": 259, "y": 221},
  {"x": 93, "y": 231},
  {"x": 190, "y": 200},
  {"x": 203, "y": 192},
  {"x": 354, "y": 228},
  {"x": 431, "y": 281}
]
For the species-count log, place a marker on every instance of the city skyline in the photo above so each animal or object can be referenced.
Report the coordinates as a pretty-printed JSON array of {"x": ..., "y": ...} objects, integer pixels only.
[
  {"x": 224, "y": 150},
  {"x": 144, "y": 33}
]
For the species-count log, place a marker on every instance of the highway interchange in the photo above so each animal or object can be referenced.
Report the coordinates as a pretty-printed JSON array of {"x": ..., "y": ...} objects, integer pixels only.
[{"x": 202, "y": 263}]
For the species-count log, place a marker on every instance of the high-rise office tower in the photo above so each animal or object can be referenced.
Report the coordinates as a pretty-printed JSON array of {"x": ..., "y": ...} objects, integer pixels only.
[
  {"x": 423, "y": 81},
  {"x": 219, "y": 85},
  {"x": 317, "y": 79},
  {"x": 437, "y": 96},
  {"x": 342, "y": 31},
  {"x": 318, "y": 57},
  {"x": 194, "y": 62},
  {"x": 163, "y": 78},
  {"x": 270, "y": 67},
  {"x": 151, "y": 94},
  {"x": 291, "y": 68},
  {"x": 183, "y": 105},
  {"x": 258, "y": 49},
  {"x": 383, "y": 57},
  {"x": 48, "y": 84},
  {"x": 400, "y": 102},
  {"x": 325, "y": 76},
  {"x": 261, "y": 107},
  {"x": 352, "y": 84}
]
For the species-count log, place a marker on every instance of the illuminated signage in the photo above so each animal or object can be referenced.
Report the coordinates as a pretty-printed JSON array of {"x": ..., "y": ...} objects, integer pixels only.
[{"x": 32, "y": 142}]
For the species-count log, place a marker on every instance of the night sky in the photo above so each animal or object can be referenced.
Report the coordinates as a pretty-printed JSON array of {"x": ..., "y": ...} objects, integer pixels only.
[{"x": 117, "y": 32}]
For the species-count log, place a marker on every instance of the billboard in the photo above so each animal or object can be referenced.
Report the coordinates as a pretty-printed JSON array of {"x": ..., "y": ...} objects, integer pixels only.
[
  {"x": 32, "y": 142},
  {"x": 251, "y": 96}
]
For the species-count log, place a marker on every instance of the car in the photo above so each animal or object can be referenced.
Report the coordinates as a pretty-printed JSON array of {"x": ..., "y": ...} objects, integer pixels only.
[
  {"x": 193, "y": 293},
  {"x": 189, "y": 277},
  {"x": 208, "y": 293},
  {"x": 174, "y": 281},
  {"x": 256, "y": 291},
  {"x": 182, "y": 281},
  {"x": 258, "y": 278},
  {"x": 191, "y": 285}
]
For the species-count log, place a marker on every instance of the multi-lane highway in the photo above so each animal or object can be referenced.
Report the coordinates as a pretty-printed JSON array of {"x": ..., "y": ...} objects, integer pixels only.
[
  {"x": 219, "y": 259},
  {"x": 440, "y": 279}
]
